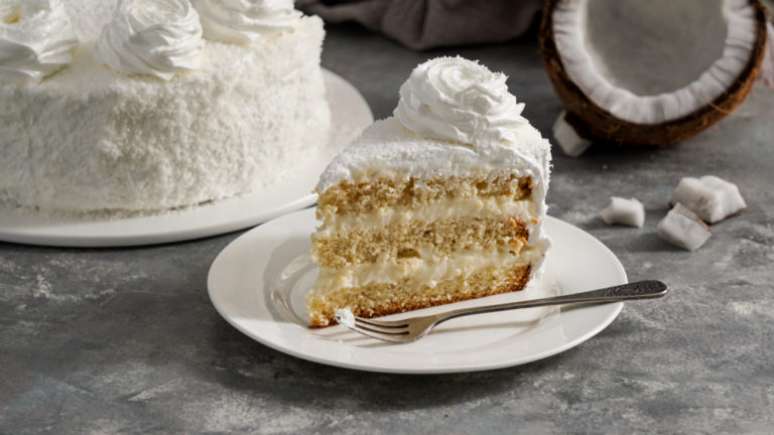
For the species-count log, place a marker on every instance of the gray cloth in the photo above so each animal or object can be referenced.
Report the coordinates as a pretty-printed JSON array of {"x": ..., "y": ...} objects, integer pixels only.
[{"x": 423, "y": 24}]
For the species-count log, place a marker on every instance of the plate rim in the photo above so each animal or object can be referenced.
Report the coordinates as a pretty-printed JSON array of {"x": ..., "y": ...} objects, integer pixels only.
[
  {"x": 614, "y": 310},
  {"x": 82, "y": 238}
]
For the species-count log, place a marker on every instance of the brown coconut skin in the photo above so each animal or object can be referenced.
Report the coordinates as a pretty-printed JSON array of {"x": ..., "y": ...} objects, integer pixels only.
[{"x": 597, "y": 124}]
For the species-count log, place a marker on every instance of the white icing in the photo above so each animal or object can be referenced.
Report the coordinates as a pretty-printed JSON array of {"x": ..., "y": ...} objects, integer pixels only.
[
  {"x": 451, "y": 98},
  {"x": 711, "y": 198},
  {"x": 107, "y": 141},
  {"x": 245, "y": 21},
  {"x": 153, "y": 37},
  {"x": 36, "y": 39},
  {"x": 683, "y": 228},
  {"x": 89, "y": 17},
  {"x": 624, "y": 211}
]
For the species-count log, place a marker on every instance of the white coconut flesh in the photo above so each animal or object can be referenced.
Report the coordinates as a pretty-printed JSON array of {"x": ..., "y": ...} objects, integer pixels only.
[{"x": 650, "y": 62}]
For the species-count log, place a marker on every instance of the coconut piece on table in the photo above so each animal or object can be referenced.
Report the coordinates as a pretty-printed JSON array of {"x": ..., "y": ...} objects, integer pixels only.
[
  {"x": 568, "y": 139},
  {"x": 624, "y": 211},
  {"x": 683, "y": 228},
  {"x": 651, "y": 72},
  {"x": 711, "y": 198}
]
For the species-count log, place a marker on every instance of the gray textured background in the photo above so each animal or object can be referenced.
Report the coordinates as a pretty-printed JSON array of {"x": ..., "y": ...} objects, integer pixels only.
[{"x": 125, "y": 340}]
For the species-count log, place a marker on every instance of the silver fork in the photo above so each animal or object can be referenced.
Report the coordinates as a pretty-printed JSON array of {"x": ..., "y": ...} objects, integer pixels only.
[{"x": 414, "y": 328}]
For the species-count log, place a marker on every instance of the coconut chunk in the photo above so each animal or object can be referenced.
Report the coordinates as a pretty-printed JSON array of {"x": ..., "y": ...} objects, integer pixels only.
[
  {"x": 568, "y": 139},
  {"x": 663, "y": 63},
  {"x": 624, "y": 211},
  {"x": 682, "y": 227},
  {"x": 711, "y": 198},
  {"x": 655, "y": 72}
]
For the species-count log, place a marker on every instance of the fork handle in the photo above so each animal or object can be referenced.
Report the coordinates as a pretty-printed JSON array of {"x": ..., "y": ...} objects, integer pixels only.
[{"x": 625, "y": 292}]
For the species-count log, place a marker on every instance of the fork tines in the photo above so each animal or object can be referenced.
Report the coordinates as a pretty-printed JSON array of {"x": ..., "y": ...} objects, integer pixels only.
[{"x": 397, "y": 332}]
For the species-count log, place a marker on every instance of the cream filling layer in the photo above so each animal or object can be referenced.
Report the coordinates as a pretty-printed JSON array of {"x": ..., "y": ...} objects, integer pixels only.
[
  {"x": 489, "y": 207},
  {"x": 419, "y": 271}
]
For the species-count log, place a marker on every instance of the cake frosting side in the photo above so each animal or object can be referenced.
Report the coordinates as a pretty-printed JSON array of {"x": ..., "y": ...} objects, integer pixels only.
[{"x": 93, "y": 138}]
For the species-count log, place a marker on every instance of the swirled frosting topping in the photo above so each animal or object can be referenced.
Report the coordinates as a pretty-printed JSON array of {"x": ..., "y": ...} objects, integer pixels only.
[
  {"x": 452, "y": 98},
  {"x": 245, "y": 21},
  {"x": 153, "y": 37},
  {"x": 36, "y": 39}
]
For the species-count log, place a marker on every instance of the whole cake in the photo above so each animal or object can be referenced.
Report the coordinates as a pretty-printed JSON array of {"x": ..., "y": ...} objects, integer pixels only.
[
  {"x": 442, "y": 202},
  {"x": 146, "y": 105}
]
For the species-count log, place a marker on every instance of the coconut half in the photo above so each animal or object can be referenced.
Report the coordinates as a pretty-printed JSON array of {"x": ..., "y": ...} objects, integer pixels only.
[{"x": 651, "y": 72}]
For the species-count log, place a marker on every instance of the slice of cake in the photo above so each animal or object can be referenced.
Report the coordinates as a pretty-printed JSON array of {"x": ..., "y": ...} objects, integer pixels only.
[{"x": 442, "y": 202}]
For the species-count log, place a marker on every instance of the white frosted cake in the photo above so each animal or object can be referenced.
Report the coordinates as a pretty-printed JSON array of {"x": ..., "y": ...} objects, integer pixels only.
[
  {"x": 442, "y": 202},
  {"x": 148, "y": 105}
]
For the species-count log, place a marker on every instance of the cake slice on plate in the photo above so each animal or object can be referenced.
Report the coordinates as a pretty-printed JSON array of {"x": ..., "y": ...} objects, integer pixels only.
[{"x": 442, "y": 202}]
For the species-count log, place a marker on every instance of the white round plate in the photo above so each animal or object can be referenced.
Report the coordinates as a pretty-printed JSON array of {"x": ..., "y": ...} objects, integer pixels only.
[
  {"x": 350, "y": 115},
  {"x": 258, "y": 284}
]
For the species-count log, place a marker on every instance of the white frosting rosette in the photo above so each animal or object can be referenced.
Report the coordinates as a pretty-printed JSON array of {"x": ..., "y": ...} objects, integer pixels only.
[
  {"x": 36, "y": 39},
  {"x": 452, "y": 98},
  {"x": 245, "y": 21},
  {"x": 154, "y": 37}
]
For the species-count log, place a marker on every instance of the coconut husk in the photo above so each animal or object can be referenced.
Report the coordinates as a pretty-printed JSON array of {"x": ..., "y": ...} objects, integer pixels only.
[{"x": 599, "y": 125}]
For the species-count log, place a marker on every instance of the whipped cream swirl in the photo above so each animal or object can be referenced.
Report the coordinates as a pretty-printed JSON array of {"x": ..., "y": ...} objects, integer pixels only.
[
  {"x": 245, "y": 21},
  {"x": 154, "y": 37},
  {"x": 451, "y": 98},
  {"x": 36, "y": 39}
]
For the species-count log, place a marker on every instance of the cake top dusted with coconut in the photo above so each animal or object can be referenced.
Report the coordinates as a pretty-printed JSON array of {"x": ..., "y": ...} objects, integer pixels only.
[{"x": 455, "y": 118}]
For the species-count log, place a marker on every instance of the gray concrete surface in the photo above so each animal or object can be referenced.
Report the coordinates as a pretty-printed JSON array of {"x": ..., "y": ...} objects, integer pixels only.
[{"x": 126, "y": 341}]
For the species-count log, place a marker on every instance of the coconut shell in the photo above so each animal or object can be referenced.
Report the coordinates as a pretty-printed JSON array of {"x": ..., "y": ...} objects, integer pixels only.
[{"x": 599, "y": 125}]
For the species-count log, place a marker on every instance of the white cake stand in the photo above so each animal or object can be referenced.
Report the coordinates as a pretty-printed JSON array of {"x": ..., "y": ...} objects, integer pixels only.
[{"x": 350, "y": 115}]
